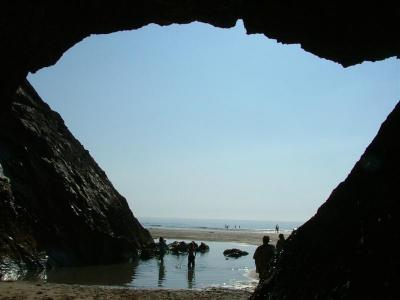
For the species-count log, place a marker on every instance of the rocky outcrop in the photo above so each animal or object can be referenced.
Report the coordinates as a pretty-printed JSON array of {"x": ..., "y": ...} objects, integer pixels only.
[
  {"x": 350, "y": 248},
  {"x": 55, "y": 201},
  {"x": 182, "y": 247},
  {"x": 176, "y": 248},
  {"x": 203, "y": 248},
  {"x": 235, "y": 253},
  {"x": 35, "y": 34}
]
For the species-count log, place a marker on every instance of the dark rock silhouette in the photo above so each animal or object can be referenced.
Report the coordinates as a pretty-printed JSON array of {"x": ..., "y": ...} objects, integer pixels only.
[
  {"x": 349, "y": 250},
  {"x": 178, "y": 247},
  {"x": 152, "y": 250},
  {"x": 183, "y": 247},
  {"x": 55, "y": 200},
  {"x": 149, "y": 251},
  {"x": 235, "y": 253},
  {"x": 36, "y": 34},
  {"x": 203, "y": 248}
]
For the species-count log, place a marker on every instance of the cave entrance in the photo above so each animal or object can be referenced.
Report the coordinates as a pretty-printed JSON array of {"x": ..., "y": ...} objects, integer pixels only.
[{"x": 197, "y": 122}]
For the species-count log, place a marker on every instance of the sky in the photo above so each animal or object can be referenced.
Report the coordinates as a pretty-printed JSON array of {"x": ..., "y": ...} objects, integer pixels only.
[{"x": 199, "y": 122}]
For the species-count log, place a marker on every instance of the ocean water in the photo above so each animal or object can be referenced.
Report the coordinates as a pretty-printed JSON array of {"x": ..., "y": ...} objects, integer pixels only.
[
  {"x": 206, "y": 224},
  {"x": 212, "y": 270}
]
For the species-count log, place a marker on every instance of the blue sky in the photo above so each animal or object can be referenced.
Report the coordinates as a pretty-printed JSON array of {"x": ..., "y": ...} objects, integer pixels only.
[{"x": 195, "y": 121}]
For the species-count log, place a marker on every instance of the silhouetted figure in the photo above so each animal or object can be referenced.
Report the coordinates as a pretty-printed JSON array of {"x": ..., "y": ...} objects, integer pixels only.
[
  {"x": 280, "y": 243},
  {"x": 163, "y": 247},
  {"x": 263, "y": 257},
  {"x": 277, "y": 228},
  {"x": 191, "y": 255}
]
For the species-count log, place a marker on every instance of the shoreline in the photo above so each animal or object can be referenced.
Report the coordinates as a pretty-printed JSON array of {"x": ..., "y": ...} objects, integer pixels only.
[
  {"x": 52, "y": 291},
  {"x": 215, "y": 235}
]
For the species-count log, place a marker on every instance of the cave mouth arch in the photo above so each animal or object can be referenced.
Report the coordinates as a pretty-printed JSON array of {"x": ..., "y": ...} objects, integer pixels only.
[
  {"x": 35, "y": 35},
  {"x": 226, "y": 85}
]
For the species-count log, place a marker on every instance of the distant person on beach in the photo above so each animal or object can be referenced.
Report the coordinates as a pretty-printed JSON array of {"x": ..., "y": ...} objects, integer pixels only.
[
  {"x": 263, "y": 257},
  {"x": 191, "y": 255},
  {"x": 277, "y": 228},
  {"x": 163, "y": 247},
  {"x": 280, "y": 243}
]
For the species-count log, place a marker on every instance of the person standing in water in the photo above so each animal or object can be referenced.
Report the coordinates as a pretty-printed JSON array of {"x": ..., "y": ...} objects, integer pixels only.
[
  {"x": 191, "y": 255},
  {"x": 162, "y": 247},
  {"x": 277, "y": 228},
  {"x": 263, "y": 256}
]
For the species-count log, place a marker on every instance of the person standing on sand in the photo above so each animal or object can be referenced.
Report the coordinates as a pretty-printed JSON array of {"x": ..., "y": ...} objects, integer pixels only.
[
  {"x": 263, "y": 257},
  {"x": 191, "y": 255},
  {"x": 277, "y": 228}
]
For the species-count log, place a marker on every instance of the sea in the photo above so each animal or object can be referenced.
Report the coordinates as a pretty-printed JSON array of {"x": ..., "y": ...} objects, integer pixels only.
[
  {"x": 219, "y": 224},
  {"x": 212, "y": 268}
]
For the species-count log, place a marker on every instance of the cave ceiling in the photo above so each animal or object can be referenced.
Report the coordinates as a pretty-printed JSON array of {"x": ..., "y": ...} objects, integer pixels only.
[{"x": 35, "y": 34}]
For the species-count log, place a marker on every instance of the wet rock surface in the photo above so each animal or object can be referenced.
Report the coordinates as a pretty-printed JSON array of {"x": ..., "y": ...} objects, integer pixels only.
[
  {"x": 56, "y": 204},
  {"x": 235, "y": 253}
]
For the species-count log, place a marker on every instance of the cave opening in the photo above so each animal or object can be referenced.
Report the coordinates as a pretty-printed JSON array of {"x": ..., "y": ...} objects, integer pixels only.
[
  {"x": 48, "y": 181},
  {"x": 197, "y": 122}
]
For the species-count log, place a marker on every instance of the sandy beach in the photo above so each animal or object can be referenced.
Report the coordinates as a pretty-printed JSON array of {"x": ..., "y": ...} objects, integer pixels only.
[
  {"x": 240, "y": 236},
  {"x": 50, "y": 291}
]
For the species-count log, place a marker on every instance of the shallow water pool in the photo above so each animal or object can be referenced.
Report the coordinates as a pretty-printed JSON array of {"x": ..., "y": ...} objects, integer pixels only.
[{"x": 212, "y": 270}]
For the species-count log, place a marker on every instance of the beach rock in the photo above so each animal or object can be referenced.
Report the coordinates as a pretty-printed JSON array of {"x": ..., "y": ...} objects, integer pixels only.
[
  {"x": 149, "y": 251},
  {"x": 235, "y": 253},
  {"x": 182, "y": 247},
  {"x": 203, "y": 248},
  {"x": 178, "y": 247},
  {"x": 55, "y": 201}
]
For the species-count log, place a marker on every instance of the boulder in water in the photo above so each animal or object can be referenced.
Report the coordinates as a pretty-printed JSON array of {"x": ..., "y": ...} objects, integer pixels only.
[
  {"x": 203, "y": 248},
  {"x": 178, "y": 247},
  {"x": 235, "y": 253}
]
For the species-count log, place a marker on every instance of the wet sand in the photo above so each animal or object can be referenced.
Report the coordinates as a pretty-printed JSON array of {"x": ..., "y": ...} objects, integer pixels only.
[
  {"x": 240, "y": 236},
  {"x": 50, "y": 291}
]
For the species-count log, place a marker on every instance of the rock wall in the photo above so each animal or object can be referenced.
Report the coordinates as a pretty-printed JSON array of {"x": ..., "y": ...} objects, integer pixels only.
[
  {"x": 35, "y": 34},
  {"x": 55, "y": 200},
  {"x": 351, "y": 248}
]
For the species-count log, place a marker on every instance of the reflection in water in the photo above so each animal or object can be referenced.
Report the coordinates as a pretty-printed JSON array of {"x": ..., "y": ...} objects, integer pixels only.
[
  {"x": 117, "y": 274},
  {"x": 191, "y": 278},
  {"x": 211, "y": 270},
  {"x": 161, "y": 272}
]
